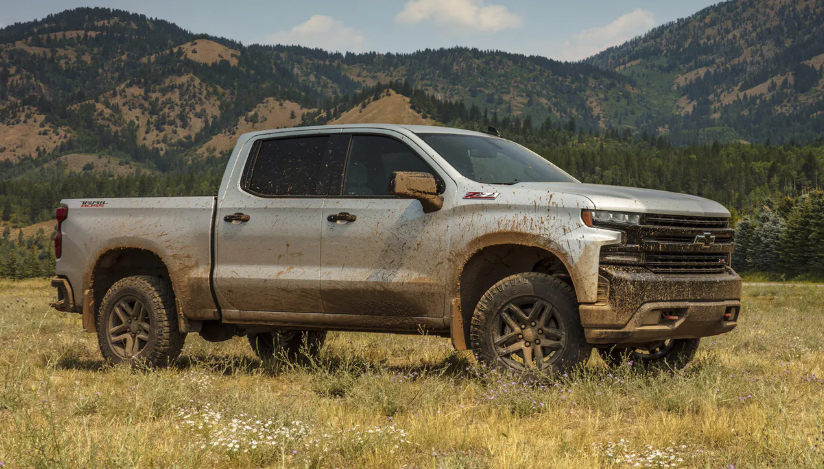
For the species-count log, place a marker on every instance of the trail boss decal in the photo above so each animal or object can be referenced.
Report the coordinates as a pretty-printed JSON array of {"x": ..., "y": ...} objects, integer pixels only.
[
  {"x": 92, "y": 203},
  {"x": 481, "y": 195}
]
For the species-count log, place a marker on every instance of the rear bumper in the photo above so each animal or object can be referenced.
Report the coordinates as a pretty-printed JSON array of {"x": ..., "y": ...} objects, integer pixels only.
[
  {"x": 65, "y": 296},
  {"x": 637, "y": 306}
]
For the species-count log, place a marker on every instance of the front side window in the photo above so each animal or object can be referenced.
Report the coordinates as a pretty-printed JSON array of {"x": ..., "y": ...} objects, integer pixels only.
[
  {"x": 371, "y": 162},
  {"x": 288, "y": 167},
  {"x": 493, "y": 160}
]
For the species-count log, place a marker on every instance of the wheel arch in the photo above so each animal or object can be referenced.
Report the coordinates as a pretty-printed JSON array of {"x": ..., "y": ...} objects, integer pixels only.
[
  {"x": 492, "y": 261},
  {"x": 113, "y": 265}
]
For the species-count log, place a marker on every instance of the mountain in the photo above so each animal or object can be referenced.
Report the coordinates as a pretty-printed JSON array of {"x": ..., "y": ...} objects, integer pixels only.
[
  {"x": 102, "y": 81},
  {"x": 740, "y": 70},
  {"x": 95, "y": 79}
]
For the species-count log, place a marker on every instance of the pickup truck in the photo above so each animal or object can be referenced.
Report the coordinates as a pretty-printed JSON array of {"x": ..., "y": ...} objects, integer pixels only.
[{"x": 401, "y": 229}]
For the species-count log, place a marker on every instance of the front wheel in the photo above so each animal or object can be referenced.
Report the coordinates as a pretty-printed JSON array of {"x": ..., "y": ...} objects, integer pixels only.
[
  {"x": 137, "y": 322},
  {"x": 663, "y": 354},
  {"x": 529, "y": 322}
]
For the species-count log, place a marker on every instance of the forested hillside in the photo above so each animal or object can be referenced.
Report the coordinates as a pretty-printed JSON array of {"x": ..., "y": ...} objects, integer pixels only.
[
  {"x": 97, "y": 102},
  {"x": 94, "y": 79},
  {"x": 745, "y": 69},
  {"x": 741, "y": 176}
]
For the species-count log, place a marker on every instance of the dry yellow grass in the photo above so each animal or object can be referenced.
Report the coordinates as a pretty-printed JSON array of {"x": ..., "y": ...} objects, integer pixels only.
[
  {"x": 682, "y": 80},
  {"x": 271, "y": 114},
  {"x": 684, "y": 106},
  {"x": 23, "y": 135},
  {"x": 753, "y": 398},
  {"x": 208, "y": 52},
  {"x": 816, "y": 61},
  {"x": 628, "y": 65},
  {"x": 185, "y": 94},
  {"x": 391, "y": 109},
  {"x": 31, "y": 230},
  {"x": 205, "y": 52},
  {"x": 75, "y": 162}
]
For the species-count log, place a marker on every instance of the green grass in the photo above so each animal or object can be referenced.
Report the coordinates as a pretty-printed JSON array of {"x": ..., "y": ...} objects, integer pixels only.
[
  {"x": 769, "y": 277},
  {"x": 752, "y": 398}
]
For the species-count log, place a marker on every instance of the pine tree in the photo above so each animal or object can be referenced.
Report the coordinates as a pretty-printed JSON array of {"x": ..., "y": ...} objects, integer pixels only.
[
  {"x": 7, "y": 210},
  {"x": 763, "y": 252},
  {"x": 794, "y": 244},
  {"x": 816, "y": 228},
  {"x": 743, "y": 239},
  {"x": 32, "y": 265}
]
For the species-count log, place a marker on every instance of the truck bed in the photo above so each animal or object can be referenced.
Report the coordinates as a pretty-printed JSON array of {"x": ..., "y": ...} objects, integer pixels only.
[{"x": 177, "y": 229}]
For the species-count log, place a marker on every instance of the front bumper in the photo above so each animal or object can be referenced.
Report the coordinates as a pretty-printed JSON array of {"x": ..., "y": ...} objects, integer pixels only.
[{"x": 637, "y": 306}]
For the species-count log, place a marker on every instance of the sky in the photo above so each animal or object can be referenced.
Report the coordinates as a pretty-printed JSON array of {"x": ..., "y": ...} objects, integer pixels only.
[{"x": 562, "y": 30}]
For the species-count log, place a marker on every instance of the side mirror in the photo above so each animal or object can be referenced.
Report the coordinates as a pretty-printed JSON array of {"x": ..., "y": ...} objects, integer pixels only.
[{"x": 421, "y": 186}]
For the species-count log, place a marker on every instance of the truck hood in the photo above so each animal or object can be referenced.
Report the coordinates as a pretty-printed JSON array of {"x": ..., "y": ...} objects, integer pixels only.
[{"x": 630, "y": 199}]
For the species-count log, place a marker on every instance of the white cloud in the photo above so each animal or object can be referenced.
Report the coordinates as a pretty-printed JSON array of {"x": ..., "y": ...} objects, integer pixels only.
[
  {"x": 466, "y": 14},
  {"x": 321, "y": 31},
  {"x": 591, "y": 41}
]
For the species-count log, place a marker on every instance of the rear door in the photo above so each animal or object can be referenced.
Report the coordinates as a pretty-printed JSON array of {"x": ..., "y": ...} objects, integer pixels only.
[
  {"x": 389, "y": 259},
  {"x": 269, "y": 228}
]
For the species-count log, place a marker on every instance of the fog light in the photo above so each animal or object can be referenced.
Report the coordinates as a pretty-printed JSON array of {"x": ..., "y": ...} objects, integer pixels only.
[{"x": 652, "y": 318}]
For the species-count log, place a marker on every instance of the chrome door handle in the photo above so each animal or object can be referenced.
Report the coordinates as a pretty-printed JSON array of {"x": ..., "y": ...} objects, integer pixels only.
[
  {"x": 236, "y": 217},
  {"x": 341, "y": 217}
]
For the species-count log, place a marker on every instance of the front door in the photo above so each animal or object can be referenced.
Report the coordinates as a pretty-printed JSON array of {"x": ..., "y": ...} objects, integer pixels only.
[
  {"x": 381, "y": 255},
  {"x": 268, "y": 233}
]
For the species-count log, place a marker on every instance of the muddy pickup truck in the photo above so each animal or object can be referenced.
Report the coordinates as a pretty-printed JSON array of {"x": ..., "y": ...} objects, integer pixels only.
[{"x": 402, "y": 229}]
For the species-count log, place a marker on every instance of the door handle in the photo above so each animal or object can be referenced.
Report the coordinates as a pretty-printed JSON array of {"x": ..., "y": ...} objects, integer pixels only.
[
  {"x": 239, "y": 217},
  {"x": 341, "y": 217}
]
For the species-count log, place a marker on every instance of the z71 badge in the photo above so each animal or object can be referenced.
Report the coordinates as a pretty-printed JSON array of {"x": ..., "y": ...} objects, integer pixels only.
[{"x": 481, "y": 195}]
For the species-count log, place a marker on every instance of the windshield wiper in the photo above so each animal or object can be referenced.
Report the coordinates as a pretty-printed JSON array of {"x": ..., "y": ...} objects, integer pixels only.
[{"x": 505, "y": 183}]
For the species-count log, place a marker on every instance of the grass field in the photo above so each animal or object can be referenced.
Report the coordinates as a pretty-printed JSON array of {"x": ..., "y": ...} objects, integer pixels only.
[{"x": 753, "y": 398}]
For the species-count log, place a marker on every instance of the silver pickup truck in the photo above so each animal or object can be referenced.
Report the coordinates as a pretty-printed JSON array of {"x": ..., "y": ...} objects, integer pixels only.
[{"x": 404, "y": 229}]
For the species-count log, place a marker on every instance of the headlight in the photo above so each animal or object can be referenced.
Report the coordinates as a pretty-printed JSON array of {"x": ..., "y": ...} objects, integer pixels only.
[{"x": 602, "y": 217}]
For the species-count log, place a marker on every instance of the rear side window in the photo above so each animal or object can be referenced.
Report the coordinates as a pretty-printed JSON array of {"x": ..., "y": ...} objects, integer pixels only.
[
  {"x": 289, "y": 167},
  {"x": 373, "y": 159}
]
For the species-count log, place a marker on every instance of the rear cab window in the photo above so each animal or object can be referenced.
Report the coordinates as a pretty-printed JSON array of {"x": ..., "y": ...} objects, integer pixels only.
[{"x": 290, "y": 166}]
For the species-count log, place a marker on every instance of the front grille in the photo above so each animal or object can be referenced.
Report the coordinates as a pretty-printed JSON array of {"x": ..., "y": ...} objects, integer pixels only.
[
  {"x": 720, "y": 238},
  {"x": 679, "y": 221},
  {"x": 687, "y": 263}
]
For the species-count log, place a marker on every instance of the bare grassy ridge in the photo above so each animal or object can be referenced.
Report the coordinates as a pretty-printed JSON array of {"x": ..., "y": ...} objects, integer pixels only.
[{"x": 753, "y": 398}]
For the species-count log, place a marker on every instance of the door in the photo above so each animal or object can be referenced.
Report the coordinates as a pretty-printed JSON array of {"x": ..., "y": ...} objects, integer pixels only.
[
  {"x": 269, "y": 228},
  {"x": 380, "y": 254}
]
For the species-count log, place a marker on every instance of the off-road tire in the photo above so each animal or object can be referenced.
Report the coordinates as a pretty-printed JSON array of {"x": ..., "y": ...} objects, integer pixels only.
[
  {"x": 562, "y": 306},
  {"x": 165, "y": 341},
  {"x": 676, "y": 357},
  {"x": 293, "y": 345}
]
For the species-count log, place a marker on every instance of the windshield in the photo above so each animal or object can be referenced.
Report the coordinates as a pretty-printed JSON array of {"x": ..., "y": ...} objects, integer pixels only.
[{"x": 494, "y": 160}]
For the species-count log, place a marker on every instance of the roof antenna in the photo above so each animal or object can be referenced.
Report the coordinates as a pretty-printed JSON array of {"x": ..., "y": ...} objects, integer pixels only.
[{"x": 492, "y": 131}]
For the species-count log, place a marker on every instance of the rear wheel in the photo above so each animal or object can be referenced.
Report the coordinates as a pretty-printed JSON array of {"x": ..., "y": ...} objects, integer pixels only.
[
  {"x": 529, "y": 322},
  {"x": 295, "y": 345},
  {"x": 137, "y": 322},
  {"x": 663, "y": 354}
]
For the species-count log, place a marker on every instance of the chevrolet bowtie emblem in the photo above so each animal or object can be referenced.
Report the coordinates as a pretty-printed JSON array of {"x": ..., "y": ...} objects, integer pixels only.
[{"x": 705, "y": 240}]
